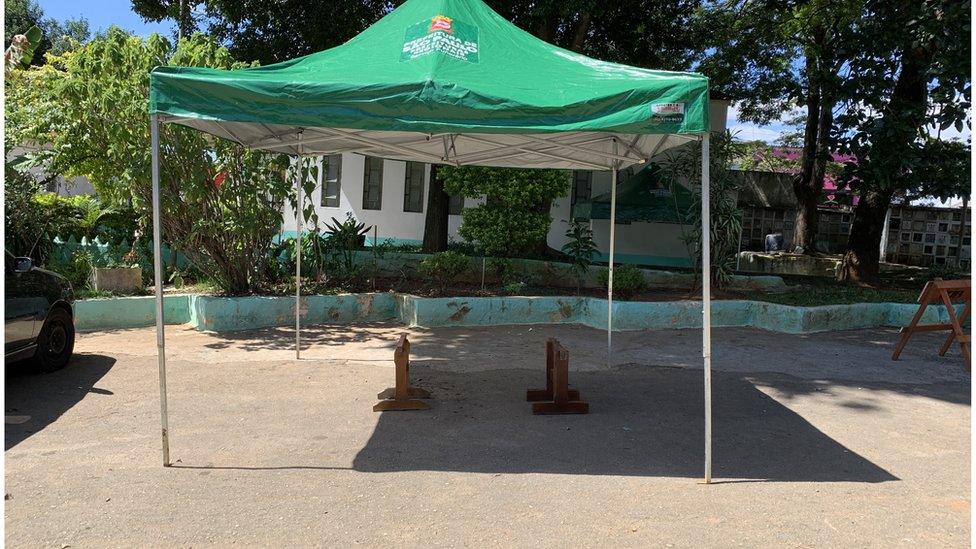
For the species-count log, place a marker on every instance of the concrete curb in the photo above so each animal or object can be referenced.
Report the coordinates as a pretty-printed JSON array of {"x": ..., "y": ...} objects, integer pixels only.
[{"x": 226, "y": 314}]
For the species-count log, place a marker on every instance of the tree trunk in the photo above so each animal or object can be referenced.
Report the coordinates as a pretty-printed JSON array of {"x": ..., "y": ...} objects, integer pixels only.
[
  {"x": 902, "y": 118},
  {"x": 435, "y": 224},
  {"x": 861, "y": 261},
  {"x": 580, "y": 31},
  {"x": 809, "y": 183}
]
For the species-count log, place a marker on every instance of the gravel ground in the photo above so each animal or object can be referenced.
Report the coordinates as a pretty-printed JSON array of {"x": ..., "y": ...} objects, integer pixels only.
[{"x": 820, "y": 440}]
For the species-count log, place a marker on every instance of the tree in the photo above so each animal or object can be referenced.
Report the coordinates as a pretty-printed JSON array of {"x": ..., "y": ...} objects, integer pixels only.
[
  {"x": 775, "y": 55},
  {"x": 58, "y": 36},
  {"x": 90, "y": 104},
  {"x": 23, "y": 223},
  {"x": 910, "y": 76},
  {"x": 509, "y": 223},
  {"x": 269, "y": 32},
  {"x": 182, "y": 12},
  {"x": 436, "y": 220}
]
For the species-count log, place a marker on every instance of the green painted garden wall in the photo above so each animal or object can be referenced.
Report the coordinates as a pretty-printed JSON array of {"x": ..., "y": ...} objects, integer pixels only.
[{"x": 224, "y": 314}]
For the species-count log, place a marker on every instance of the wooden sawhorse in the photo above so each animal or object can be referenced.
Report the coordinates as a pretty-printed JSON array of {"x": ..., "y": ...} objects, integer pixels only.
[
  {"x": 948, "y": 292},
  {"x": 402, "y": 396},
  {"x": 561, "y": 399}
]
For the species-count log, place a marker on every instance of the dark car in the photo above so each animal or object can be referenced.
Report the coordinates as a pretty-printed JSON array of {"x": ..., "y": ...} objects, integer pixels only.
[{"x": 38, "y": 321}]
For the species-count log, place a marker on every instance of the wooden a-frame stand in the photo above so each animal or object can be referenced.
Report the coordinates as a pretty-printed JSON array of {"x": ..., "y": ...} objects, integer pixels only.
[
  {"x": 561, "y": 399},
  {"x": 402, "y": 396},
  {"x": 948, "y": 292}
]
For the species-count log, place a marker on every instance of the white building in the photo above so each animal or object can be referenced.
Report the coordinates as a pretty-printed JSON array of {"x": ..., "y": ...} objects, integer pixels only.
[{"x": 391, "y": 195}]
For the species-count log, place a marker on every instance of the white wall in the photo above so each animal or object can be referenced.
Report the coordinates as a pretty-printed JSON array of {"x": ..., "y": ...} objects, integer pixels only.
[
  {"x": 658, "y": 240},
  {"x": 390, "y": 220}
]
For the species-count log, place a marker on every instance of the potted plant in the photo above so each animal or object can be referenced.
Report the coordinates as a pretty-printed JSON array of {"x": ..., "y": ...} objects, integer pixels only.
[{"x": 123, "y": 277}]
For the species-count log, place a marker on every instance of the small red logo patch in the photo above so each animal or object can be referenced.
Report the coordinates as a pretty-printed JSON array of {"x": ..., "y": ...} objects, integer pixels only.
[{"x": 441, "y": 23}]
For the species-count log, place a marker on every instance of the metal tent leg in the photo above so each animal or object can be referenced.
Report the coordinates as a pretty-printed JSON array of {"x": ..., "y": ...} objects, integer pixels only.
[
  {"x": 158, "y": 269},
  {"x": 707, "y": 304},
  {"x": 613, "y": 223},
  {"x": 299, "y": 216}
]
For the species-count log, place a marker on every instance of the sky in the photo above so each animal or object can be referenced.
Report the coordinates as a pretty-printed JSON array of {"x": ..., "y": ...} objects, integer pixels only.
[{"x": 103, "y": 13}]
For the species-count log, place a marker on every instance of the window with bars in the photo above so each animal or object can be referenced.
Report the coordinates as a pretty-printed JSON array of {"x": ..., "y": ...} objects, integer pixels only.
[
  {"x": 582, "y": 186},
  {"x": 330, "y": 174},
  {"x": 373, "y": 183},
  {"x": 413, "y": 188}
]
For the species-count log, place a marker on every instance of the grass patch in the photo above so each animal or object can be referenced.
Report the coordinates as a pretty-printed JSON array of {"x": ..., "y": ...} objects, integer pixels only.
[{"x": 836, "y": 294}]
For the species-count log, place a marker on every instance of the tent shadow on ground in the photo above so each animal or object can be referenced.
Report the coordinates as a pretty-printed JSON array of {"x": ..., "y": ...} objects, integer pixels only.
[
  {"x": 34, "y": 401},
  {"x": 644, "y": 421},
  {"x": 282, "y": 338}
]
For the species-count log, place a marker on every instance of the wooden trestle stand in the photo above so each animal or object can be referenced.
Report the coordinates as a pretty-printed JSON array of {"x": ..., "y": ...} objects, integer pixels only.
[
  {"x": 402, "y": 396},
  {"x": 557, "y": 397},
  {"x": 948, "y": 292}
]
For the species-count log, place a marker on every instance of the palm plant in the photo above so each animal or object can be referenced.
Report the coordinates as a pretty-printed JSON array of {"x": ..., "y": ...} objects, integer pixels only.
[
  {"x": 580, "y": 250},
  {"x": 683, "y": 167}
]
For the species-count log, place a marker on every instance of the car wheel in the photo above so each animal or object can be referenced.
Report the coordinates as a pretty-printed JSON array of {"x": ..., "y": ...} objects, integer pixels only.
[{"x": 55, "y": 342}]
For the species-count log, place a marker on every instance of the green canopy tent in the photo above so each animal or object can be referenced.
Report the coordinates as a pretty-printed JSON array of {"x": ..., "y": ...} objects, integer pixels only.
[{"x": 444, "y": 82}]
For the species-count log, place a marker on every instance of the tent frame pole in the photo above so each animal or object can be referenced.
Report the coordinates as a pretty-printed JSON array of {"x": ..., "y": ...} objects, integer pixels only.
[
  {"x": 707, "y": 302},
  {"x": 299, "y": 215},
  {"x": 158, "y": 272},
  {"x": 613, "y": 224}
]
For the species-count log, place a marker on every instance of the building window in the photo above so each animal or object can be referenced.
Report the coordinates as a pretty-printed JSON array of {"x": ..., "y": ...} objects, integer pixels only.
[
  {"x": 413, "y": 188},
  {"x": 373, "y": 183},
  {"x": 582, "y": 187},
  {"x": 455, "y": 204},
  {"x": 330, "y": 173}
]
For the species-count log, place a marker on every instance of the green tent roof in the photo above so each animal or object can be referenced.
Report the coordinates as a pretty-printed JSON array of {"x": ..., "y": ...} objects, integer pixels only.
[
  {"x": 443, "y": 81},
  {"x": 645, "y": 197}
]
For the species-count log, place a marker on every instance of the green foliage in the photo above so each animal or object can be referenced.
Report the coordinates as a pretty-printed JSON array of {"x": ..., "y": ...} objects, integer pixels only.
[
  {"x": 24, "y": 225},
  {"x": 85, "y": 216},
  {"x": 628, "y": 280},
  {"x": 77, "y": 267},
  {"x": 346, "y": 237},
  {"x": 910, "y": 76},
  {"x": 444, "y": 268},
  {"x": 514, "y": 288},
  {"x": 836, "y": 294},
  {"x": 580, "y": 250},
  {"x": 946, "y": 272},
  {"x": 44, "y": 34},
  {"x": 515, "y": 219},
  {"x": 90, "y": 104},
  {"x": 328, "y": 257},
  {"x": 269, "y": 31},
  {"x": 504, "y": 270},
  {"x": 683, "y": 167}
]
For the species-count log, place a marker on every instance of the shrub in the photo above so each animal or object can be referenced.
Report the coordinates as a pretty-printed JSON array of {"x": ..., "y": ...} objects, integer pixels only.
[
  {"x": 515, "y": 288},
  {"x": 444, "y": 268},
  {"x": 628, "y": 281},
  {"x": 77, "y": 268},
  {"x": 946, "y": 272},
  {"x": 514, "y": 219},
  {"x": 504, "y": 270}
]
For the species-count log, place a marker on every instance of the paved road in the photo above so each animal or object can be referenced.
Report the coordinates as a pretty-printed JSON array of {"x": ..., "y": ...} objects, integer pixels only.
[{"x": 820, "y": 441}]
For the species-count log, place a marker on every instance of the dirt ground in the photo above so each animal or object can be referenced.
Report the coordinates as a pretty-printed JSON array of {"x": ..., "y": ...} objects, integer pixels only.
[{"x": 820, "y": 440}]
